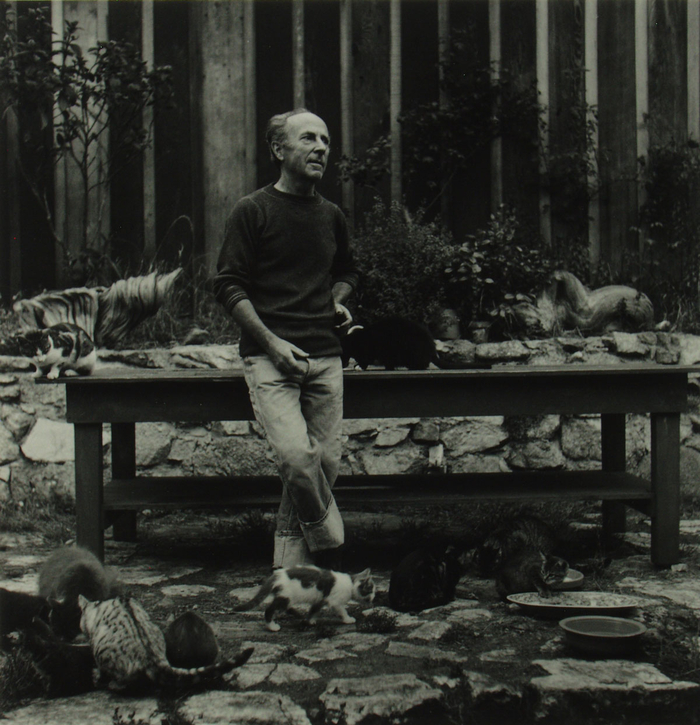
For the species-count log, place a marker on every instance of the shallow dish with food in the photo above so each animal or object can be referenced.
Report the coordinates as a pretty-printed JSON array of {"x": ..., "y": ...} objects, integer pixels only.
[
  {"x": 569, "y": 604},
  {"x": 572, "y": 580},
  {"x": 603, "y": 636}
]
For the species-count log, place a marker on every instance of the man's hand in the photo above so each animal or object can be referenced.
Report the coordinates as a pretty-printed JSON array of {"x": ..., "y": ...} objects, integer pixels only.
[
  {"x": 287, "y": 358},
  {"x": 343, "y": 318}
]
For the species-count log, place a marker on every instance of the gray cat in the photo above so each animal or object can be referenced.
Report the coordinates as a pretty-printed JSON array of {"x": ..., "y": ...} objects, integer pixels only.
[{"x": 69, "y": 572}]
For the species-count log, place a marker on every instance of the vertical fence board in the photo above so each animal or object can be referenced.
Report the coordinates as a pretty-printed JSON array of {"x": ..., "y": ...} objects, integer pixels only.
[
  {"x": 32, "y": 260},
  {"x": 693, "y": 59},
  {"x": 223, "y": 117},
  {"x": 346, "y": 103},
  {"x": 617, "y": 128},
  {"x": 298, "y": 64},
  {"x": 177, "y": 181},
  {"x": 395, "y": 106},
  {"x": 496, "y": 59},
  {"x": 59, "y": 185},
  {"x": 419, "y": 86},
  {"x": 251, "y": 115},
  {"x": 591, "y": 93},
  {"x": 274, "y": 77},
  {"x": 668, "y": 80},
  {"x": 520, "y": 164},
  {"x": 127, "y": 186},
  {"x": 87, "y": 215},
  {"x": 323, "y": 92},
  {"x": 470, "y": 193},
  {"x": 149, "y": 166},
  {"x": 542, "y": 50},
  {"x": 370, "y": 86},
  {"x": 567, "y": 121},
  {"x": 10, "y": 239}
]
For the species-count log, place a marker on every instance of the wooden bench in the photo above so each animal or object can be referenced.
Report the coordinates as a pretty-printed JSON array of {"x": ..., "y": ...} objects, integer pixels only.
[{"x": 124, "y": 398}]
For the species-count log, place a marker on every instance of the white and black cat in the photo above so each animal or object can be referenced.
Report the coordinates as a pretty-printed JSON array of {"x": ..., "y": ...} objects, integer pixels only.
[
  {"x": 69, "y": 572},
  {"x": 129, "y": 648},
  {"x": 59, "y": 348},
  {"x": 309, "y": 585},
  {"x": 393, "y": 342},
  {"x": 190, "y": 642},
  {"x": 530, "y": 571},
  {"x": 425, "y": 578}
]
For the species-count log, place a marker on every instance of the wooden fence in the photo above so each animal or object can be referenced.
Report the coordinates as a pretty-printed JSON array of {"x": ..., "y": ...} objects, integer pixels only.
[{"x": 359, "y": 64}]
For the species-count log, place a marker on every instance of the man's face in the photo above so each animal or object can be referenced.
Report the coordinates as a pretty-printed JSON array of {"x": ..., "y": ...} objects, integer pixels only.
[{"x": 304, "y": 154}]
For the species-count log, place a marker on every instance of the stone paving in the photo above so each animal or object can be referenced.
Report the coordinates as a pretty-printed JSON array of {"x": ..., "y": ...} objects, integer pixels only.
[{"x": 473, "y": 660}]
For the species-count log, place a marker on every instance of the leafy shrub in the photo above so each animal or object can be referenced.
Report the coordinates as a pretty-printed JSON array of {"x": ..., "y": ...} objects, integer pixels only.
[
  {"x": 669, "y": 268},
  {"x": 403, "y": 262},
  {"x": 503, "y": 263}
]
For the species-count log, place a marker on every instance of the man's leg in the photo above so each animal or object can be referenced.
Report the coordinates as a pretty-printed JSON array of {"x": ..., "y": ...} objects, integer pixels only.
[
  {"x": 308, "y": 508},
  {"x": 322, "y": 408}
]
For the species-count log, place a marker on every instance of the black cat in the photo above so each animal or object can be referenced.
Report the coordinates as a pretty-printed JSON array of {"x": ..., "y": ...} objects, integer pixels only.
[
  {"x": 17, "y": 610},
  {"x": 190, "y": 642},
  {"x": 425, "y": 578},
  {"x": 393, "y": 342}
]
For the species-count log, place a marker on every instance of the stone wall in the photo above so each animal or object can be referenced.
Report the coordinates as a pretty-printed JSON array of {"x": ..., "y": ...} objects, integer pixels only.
[{"x": 36, "y": 444}]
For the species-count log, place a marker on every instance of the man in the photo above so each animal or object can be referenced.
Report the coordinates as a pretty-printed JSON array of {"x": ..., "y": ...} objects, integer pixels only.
[{"x": 284, "y": 272}]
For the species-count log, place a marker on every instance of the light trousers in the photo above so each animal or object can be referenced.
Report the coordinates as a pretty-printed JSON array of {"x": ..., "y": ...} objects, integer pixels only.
[{"x": 302, "y": 416}]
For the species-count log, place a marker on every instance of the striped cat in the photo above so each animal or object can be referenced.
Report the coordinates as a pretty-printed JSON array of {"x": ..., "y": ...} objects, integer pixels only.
[
  {"x": 59, "y": 348},
  {"x": 129, "y": 648}
]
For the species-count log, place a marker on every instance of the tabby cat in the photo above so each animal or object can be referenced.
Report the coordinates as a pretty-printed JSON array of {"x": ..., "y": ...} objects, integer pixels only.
[
  {"x": 190, "y": 642},
  {"x": 59, "y": 348},
  {"x": 129, "y": 648},
  {"x": 425, "y": 579},
  {"x": 300, "y": 585},
  {"x": 523, "y": 532},
  {"x": 69, "y": 572},
  {"x": 530, "y": 571}
]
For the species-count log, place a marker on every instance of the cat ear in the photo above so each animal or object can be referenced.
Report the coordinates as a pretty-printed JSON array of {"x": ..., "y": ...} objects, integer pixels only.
[
  {"x": 364, "y": 574},
  {"x": 82, "y": 601}
]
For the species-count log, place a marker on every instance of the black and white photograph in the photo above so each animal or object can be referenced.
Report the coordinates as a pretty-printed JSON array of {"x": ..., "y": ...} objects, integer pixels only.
[{"x": 350, "y": 362}]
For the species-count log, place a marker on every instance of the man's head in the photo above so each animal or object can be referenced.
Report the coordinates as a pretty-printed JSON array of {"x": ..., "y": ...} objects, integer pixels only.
[{"x": 299, "y": 143}]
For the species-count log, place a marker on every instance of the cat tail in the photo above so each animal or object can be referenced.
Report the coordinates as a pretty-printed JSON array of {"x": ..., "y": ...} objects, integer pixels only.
[
  {"x": 177, "y": 676},
  {"x": 264, "y": 590}
]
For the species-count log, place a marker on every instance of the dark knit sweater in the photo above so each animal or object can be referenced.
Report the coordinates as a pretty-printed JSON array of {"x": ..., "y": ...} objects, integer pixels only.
[{"x": 284, "y": 253}]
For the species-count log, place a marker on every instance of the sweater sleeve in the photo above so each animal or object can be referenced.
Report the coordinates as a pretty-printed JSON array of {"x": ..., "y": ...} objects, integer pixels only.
[
  {"x": 231, "y": 283},
  {"x": 344, "y": 268}
]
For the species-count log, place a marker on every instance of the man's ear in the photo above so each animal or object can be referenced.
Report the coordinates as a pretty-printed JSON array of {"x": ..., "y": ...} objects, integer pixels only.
[{"x": 277, "y": 150}]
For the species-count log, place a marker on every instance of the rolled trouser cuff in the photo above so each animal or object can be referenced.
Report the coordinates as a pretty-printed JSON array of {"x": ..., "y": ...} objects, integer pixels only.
[
  {"x": 291, "y": 551},
  {"x": 326, "y": 533}
]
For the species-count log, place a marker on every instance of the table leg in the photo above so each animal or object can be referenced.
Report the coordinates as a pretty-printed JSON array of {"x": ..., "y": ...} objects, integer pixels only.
[
  {"x": 665, "y": 488},
  {"x": 613, "y": 457},
  {"x": 124, "y": 466},
  {"x": 88, "y": 486}
]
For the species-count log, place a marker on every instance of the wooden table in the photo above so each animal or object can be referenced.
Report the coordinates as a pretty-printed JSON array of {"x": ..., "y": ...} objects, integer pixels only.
[{"x": 124, "y": 398}]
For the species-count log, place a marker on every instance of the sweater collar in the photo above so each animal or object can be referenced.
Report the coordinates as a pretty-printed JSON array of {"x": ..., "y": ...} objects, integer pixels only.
[{"x": 315, "y": 199}]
